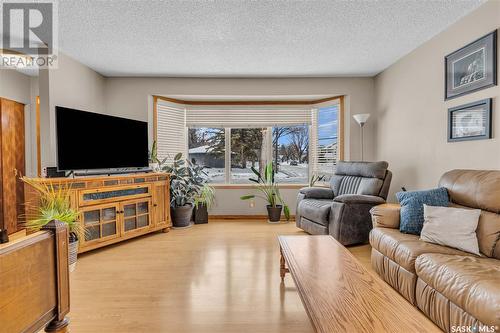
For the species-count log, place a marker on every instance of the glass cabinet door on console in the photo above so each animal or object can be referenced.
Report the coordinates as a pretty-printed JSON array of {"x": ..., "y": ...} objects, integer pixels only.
[
  {"x": 136, "y": 214},
  {"x": 100, "y": 222}
]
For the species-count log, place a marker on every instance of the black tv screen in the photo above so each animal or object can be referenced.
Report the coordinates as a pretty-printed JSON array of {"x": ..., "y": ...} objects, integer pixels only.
[{"x": 87, "y": 140}]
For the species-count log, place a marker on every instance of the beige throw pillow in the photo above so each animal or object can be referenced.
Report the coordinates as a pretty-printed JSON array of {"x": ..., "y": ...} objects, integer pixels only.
[{"x": 453, "y": 227}]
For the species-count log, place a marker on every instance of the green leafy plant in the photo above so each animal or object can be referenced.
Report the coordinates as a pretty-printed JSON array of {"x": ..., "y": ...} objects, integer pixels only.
[
  {"x": 314, "y": 179},
  {"x": 153, "y": 153},
  {"x": 268, "y": 188},
  {"x": 153, "y": 157},
  {"x": 206, "y": 196},
  {"x": 54, "y": 204},
  {"x": 186, "y": 181}
]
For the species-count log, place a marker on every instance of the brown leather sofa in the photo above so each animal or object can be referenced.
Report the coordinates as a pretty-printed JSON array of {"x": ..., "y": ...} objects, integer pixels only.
[{"x": 453, "y": 288}]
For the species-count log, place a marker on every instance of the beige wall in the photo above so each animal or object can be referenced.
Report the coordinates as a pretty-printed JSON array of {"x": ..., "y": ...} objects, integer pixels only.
[
  {"x": 23, "y": 89},
  {"x": 228, "y": 202},
  {"x": 130, "y": 97},
  {"x": 408, "y": 126},
  {"x": 15, "y": 86},
  {"x": 72, "y": 85},
  {"x": 412, "y": 114}
]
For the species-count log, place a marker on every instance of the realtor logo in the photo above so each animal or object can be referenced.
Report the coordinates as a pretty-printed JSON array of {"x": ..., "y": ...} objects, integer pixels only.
[{"x": 28, "y": 34}]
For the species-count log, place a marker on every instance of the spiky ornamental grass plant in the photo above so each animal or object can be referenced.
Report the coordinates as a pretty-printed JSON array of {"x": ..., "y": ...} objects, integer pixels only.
[
  {"x": 268, "y": 188},
  {"x": 54, "y": 204}
]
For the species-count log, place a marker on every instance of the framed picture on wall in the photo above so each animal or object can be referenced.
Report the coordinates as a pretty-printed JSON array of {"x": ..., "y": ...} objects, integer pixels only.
[
  {"x": 472, "y": 68},
  {"x": 470, "y": 121}
]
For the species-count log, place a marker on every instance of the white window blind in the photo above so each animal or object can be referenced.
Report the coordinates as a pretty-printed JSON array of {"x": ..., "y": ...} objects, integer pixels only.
[
  {"x": 174, "y": 119},
  {"x": 244, "y": 117},
  {"x": 313, "y": 143},
  {"x": 324, "y": 140},
  {"x": 171, "y": 130}
]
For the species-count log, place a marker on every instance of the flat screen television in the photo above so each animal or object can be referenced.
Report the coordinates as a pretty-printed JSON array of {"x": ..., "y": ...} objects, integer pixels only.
[{"x": 87, "y": 140}]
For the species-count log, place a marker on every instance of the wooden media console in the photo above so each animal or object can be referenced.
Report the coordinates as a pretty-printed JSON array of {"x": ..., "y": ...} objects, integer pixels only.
[{"x": 115, "y": 208}]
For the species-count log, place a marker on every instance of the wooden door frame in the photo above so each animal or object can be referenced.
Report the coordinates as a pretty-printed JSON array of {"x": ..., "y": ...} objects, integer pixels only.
[
  {"x": 38, "y": 141},
  {"x": 17, "y": 137}
]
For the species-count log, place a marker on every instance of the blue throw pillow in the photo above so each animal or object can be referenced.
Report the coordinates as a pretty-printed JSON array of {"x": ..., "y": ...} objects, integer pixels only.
[{"x": 412, "y": 207}]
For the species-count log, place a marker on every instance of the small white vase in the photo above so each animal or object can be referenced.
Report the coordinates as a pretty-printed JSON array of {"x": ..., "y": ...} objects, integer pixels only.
[{"x": 154, "y": 166}]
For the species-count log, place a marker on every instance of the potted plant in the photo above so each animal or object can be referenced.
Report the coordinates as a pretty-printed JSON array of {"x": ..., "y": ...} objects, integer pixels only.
[
  {"x": 154, "y": 162},
  {"x": 316, "y": 178},
  {"x": 186, "y": 182},
  {"x": 202, "y": 203},
  {"x": 270, "y": 192},
  {"x": 54, "y": 204}
]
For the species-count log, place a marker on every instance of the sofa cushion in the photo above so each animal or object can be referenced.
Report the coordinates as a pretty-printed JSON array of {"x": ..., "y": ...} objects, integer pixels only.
[
  {"x": 317, "y": 193},
  {"x": 488, "y": 232},
  {"x": 365, "y": 178},
  {"x": 478, "y": 189},
  {"x": 450, "y": 226},
  {"x": 362, "y": 169},
  {"x": 474, "y": 188},
  {"x": 470, "y": 282},
  {"x": 404, "y": 248},
  {"x": 386, "y": 215},
  {"x": 317, "y": 210},
  {"x": 412, "y": 207}
]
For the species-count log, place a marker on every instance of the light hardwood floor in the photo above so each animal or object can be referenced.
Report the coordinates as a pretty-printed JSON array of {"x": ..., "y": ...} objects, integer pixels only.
[{"x": 218, "y": 277}]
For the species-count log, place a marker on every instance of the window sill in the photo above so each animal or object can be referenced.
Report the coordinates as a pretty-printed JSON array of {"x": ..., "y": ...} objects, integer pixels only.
[{"x": 250, "y": 186}]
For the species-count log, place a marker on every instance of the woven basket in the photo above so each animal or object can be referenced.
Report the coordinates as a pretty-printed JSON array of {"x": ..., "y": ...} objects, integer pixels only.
[{"x": 73, "y": 252}]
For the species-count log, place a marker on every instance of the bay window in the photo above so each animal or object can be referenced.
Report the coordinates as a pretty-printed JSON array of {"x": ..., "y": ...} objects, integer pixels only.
[{"x": 300, "y": 140}]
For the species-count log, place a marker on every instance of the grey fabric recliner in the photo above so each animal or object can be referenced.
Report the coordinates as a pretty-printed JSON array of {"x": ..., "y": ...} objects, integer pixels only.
[{"x": 343, "y": 210}]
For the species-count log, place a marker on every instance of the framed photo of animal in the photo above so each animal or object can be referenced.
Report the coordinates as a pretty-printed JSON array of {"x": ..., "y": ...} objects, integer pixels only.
[{"x": 471, "y": 68}]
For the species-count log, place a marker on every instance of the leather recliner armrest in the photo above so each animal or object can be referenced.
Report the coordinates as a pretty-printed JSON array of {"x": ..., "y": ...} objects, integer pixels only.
[
  {"x": 386, "y": 215},
  {"x": 317, "y": 193},
  {"x": 359, "y": 199}
]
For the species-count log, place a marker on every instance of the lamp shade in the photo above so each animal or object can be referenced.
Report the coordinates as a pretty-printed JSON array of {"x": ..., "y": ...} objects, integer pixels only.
[{"x": 361, "y": 118}]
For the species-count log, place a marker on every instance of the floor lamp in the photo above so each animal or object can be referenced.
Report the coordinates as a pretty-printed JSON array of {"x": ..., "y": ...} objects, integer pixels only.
[{"x": 361, "y": 119}]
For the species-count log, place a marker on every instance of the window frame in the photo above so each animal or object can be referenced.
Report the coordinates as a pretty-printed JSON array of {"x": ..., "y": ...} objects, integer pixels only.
[
  {"x": 340, "y": 128},
  {"x": 315, "y": 104},
  {"x": 341, "y": 123}
]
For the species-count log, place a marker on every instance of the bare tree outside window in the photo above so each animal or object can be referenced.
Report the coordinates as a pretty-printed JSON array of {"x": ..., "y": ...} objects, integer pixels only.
[
  {"x": 291, "y": 153},
  {"x": 288, "y": 146},
  {"x": 246, "y": 152}
]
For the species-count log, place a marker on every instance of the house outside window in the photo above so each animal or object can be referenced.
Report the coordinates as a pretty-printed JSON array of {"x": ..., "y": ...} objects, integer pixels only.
[{"x": 206, "y": 147}]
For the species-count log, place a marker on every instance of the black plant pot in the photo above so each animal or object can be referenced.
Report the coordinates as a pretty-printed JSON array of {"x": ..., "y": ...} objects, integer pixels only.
[
  {"x": 201, "y": 214},
  {"x": 274, "y": 213},
  {"x": 181, "y": 216}
]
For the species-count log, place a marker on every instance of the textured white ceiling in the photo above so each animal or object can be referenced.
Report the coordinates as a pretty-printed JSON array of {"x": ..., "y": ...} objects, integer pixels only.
[{"x": 249, "y": 38}]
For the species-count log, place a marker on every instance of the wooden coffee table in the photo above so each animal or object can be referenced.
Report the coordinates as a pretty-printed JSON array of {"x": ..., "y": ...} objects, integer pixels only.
[{"x": 340, "y": 295}]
